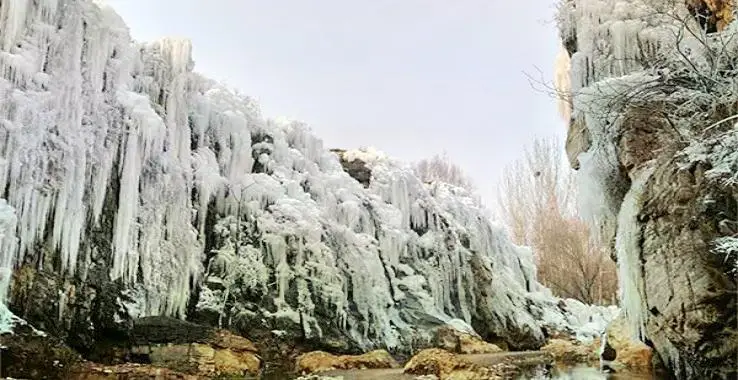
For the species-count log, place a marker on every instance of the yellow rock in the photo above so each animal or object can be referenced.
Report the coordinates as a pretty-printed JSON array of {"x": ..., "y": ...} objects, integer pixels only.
[
  {"x": 459, "y": 342},
  {"x": 319, "y": 361},
  {"x": 470, "y": 344},
  {"x": 376, "y": 359},
  {"x": 447, "y": 366},
  {"x": 570, "y": 353},
  {"x": 204, "y": 360},
  {"x": 228, "y": 362},
  {"x": 225, "y": 339},
  {"x": 634, "y": 356},
  {"x": 91, "y": 371}
]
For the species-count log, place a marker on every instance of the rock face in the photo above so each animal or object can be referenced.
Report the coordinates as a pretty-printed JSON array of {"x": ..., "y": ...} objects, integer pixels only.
[
  {"x": 661, "y": 172},
  {"x": 193, "y": 349},
  {"x": 30, "y": 354},
  {"x": 127, "y": 372},
  {"x": 133, "y": 187},
  {"x": 354, "y": 166}
]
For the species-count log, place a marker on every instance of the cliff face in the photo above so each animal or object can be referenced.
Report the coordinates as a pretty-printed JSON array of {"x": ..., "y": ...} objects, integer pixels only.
[
  {"x": 654, "y": 137},
  {"x": 141, "y": 188}
]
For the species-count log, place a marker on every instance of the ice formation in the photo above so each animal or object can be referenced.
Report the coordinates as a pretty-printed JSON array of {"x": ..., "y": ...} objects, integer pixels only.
[
  {"x": 628, "y": 247},
  {"x": 197, "y": 195},
  {"x": 614, "y": 38}
]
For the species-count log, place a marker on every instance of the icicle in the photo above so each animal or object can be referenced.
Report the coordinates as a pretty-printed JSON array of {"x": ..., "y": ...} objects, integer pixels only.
[
  {"x": 13, "y": 18},
  {"x": 8, "y": 249},
  {"x": 627, "y": 245}
]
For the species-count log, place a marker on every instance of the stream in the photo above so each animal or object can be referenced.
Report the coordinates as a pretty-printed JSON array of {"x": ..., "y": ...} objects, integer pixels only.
[{"x": 525, "y": 359}]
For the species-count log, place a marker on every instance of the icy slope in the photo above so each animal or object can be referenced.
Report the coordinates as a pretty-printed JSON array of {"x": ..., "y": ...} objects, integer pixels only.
[{"x": 129, "y": 173}]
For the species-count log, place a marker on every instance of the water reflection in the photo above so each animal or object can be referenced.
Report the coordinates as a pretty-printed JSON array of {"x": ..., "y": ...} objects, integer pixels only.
[{"x": 580, "y": 373}]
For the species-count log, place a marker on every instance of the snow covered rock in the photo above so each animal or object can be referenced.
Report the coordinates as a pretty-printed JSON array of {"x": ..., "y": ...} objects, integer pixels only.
[
  {"x": 654, "y": 86},
  {"x": 141, "y": 188}
]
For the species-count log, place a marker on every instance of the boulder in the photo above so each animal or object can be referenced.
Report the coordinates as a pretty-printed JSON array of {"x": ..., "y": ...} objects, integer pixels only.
[
  {"x": 194, "y": 349},
  {"x": 319, "y": 361},
  {"x": 621, "y": 352},
  {"x": 445, "y": 365},
  {"x": 453, "y": 340},
  {"x": 571, "y": 352}
]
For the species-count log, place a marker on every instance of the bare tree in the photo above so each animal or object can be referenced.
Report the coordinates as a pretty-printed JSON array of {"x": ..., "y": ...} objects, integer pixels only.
[
  {"x": 537, "y": 202},
  {"x": 440, "y": 168}
]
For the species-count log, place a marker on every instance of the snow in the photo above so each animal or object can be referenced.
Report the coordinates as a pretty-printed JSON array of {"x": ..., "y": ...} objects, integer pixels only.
[
  {"x": 95, "y": 127},
  {"x": 727, "y": 247}
]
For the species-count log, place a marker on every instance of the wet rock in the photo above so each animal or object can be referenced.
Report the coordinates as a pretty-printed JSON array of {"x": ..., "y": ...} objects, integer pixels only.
[
  {"x": 229, "y": 362},
  {"x": 453, "y": 340},
  {"x": 570, "y": 352},
  {"x": 127, "y": 372},
  {"x": 165, "y": 330},
  {"x": 201, "y": 359},
  {"x": 447, "y": 366},
  {"x": 608, "y": 353},
  {"x": 190, "y": 358},
  {"x": 689, "y": 294},
  {"x": 85, "y": 314},
  {"x": 193, "y": 349},
  {"x": 30, "y": 354},
  {"x": 319, "y": 361},
  {"x": 318, "y": 377},
  {"x": 625, "y": 353}
]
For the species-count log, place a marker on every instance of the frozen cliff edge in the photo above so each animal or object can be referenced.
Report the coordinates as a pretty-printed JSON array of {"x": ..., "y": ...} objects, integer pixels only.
[
  {"x": 651, "y": 91},
  {"x": 141, "y": 188}
]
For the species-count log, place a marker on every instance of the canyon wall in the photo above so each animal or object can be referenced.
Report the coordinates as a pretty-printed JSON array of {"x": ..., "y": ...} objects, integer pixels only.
[
  {"x": 653, "y": 134},
  {"x": 136, "y": 187}
]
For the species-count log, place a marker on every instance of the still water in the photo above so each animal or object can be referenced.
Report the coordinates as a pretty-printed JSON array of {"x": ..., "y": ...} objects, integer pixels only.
[{"x": 581, "y": 373}]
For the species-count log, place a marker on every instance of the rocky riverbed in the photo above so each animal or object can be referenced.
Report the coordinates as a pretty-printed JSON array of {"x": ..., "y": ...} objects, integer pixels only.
[{"x": 164, "y": 348}]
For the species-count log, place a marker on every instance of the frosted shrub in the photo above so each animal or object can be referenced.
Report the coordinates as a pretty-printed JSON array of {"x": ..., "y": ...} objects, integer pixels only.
[{"x": 441, "y": 168}]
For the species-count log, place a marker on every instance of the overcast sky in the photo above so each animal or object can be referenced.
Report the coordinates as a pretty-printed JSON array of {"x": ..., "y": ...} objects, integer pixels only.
[{"x": 409, "y": 77}]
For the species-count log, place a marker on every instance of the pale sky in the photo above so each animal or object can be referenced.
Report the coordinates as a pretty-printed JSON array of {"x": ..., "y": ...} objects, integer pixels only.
[{"x": 410, "y": 77}]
